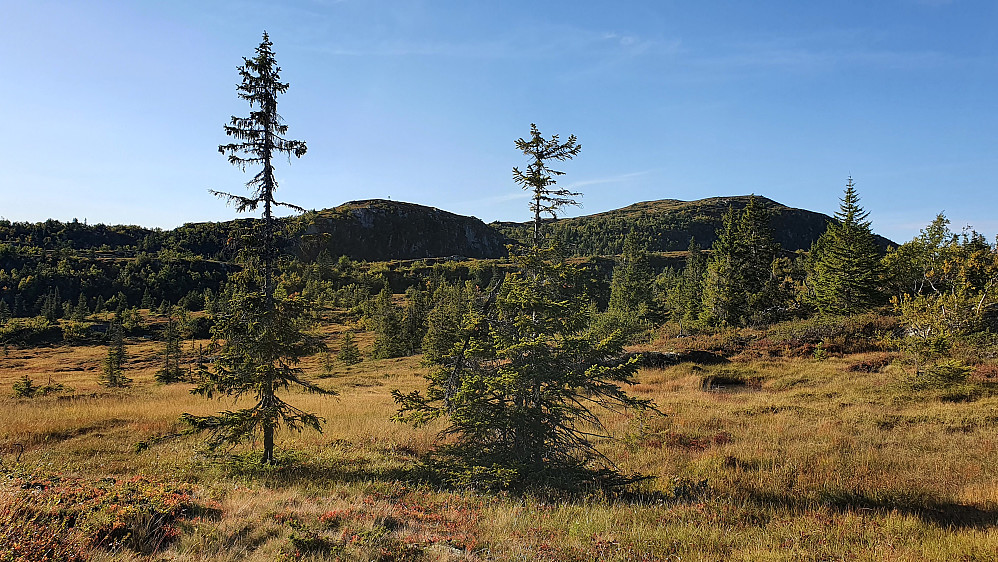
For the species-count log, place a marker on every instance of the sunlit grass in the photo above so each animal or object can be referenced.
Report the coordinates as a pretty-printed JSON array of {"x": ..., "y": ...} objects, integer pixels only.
[{"x": 811, "y": 461}]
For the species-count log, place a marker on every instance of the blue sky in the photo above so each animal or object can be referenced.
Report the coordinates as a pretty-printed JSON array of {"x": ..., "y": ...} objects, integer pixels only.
[{"x": 113, "y": 111}]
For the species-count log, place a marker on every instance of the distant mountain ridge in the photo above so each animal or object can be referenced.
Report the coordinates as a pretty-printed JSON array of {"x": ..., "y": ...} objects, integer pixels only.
[
  {"x": 668, "y": 225},
  {"x": 380, "y": 230}
]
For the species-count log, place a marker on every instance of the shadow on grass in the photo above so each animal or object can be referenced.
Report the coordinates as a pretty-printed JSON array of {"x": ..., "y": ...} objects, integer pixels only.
[
  {"x": 293, "y": 470},
  {"x": 916, "y": 503},
  {"x": 296, "y": 469}
]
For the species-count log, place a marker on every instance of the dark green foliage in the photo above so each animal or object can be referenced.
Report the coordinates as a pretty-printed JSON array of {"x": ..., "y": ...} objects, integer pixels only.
[
  {"x": 414, "y": 318},
  {"x": 845, "y": 274},
  {"x": 521, "y": 385},
  {"x": 632, "y": 304},
  {"x": 260, "y": 342},
  {"x": 539, "y": 179},
  {"x": 172, "y": 353},
  {"x": 81, "y": 311},
  {"x": 112, "y": 374},
  {"x": 631, "y": 287},
  {"x": 349, "y": 353},
  {"x": 261, "y": 334},
  {"x": 684, "y": 295},
  {"x": 520, "y": 373},
  {"x": 25, "y": 387},
  {"x": 5, "y": 314},
  {"x": 451, "y": 304},
  {"x": 50, "y": 305},
  {"x": 398, "y": 331},
  {"x": 739, "y": 279},
  {"x": 384, "y": 317}
]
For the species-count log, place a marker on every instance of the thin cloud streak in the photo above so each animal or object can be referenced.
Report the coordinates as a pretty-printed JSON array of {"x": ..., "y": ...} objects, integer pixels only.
[
  {"x": 527, "y": 43},
  {"x": 612, "y": 179},
  {"x": 514, "y": 196}
]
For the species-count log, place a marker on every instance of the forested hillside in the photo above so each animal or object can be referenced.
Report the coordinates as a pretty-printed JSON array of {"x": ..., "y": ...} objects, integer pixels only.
[{"x": 669, "y": 224}]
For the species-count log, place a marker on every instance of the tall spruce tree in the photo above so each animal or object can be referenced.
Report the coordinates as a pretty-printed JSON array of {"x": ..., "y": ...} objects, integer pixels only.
[
  {"x": 262, "y": 333},
  {"x": 846, "y": 265},
  {"x": 522, "y": 382}
]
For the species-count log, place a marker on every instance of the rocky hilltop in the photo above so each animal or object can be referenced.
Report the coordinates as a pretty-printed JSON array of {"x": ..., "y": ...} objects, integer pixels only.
[{"x": 376, "y": 229}]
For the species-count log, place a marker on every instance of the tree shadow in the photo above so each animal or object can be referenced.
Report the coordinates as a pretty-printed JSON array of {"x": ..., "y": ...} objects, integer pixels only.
[
  {"x": 944, "y": 514},
  {"x": 296, "y": 470}
]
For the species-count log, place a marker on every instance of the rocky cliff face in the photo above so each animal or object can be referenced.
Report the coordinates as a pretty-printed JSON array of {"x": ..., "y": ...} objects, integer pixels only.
[{"x": 376, "y": 229}]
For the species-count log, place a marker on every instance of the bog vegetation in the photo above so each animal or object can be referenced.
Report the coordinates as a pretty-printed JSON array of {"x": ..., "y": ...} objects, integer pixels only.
[{"x": 742, "y": 402}]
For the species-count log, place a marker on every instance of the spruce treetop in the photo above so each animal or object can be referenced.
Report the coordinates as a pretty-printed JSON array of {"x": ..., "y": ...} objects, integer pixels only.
[
  {"x": 260, "y": 134},
  {"x": 540, "y": 179},
  {"x": 850, "y": 214}
]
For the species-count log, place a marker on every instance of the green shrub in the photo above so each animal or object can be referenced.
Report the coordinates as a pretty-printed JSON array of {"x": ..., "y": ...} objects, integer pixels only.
[
  {"x": 941, "y": 376},
  {"x": 25, "y": 387}
]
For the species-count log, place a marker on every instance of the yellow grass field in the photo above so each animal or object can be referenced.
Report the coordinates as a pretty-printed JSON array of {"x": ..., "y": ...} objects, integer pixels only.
[{"x": 810, "y": 462}]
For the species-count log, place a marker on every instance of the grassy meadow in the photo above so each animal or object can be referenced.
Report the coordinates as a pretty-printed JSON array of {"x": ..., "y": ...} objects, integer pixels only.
[{"x": 766, "y": 457}]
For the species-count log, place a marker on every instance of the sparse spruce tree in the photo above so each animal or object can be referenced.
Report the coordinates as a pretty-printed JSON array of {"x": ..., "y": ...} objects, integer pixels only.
[
  {"x": 722, "y": 300},
  {"x": 261, "y": 333},
  {"x": 18, "y": 309},
  {"x": 81, "y": 311},
  {"x": 171, "y": 372},
  {"x": 846, "y": 271},
  {"x": 5, "y": 313},
  {"x": 113, "y": 372},
  {"x": 51, "y": 306},
  {"x": 451, "y": 303},
  {"x": 631, "y": 293},
  {"x": 385, "y": 319}
]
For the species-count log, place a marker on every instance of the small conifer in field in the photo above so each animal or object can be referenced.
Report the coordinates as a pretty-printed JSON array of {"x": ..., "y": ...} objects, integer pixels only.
[
  {"x": 170, "y": 372},
  {"x": 112, "y": 374},
  {"x": 523, "y": 381},
  {"x": 349, "y": 353},
  {"x": 25, "y": 387}
]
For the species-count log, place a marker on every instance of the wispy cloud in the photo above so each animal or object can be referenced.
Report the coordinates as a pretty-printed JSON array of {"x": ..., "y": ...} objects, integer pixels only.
[
  {"x": 523, "y": 194},
  {"x": 620, "y": 178},
  {"x": 496, "y": 199},
  {"x": 521, "y": 43},
  {"x": 804, "y": 58}
]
